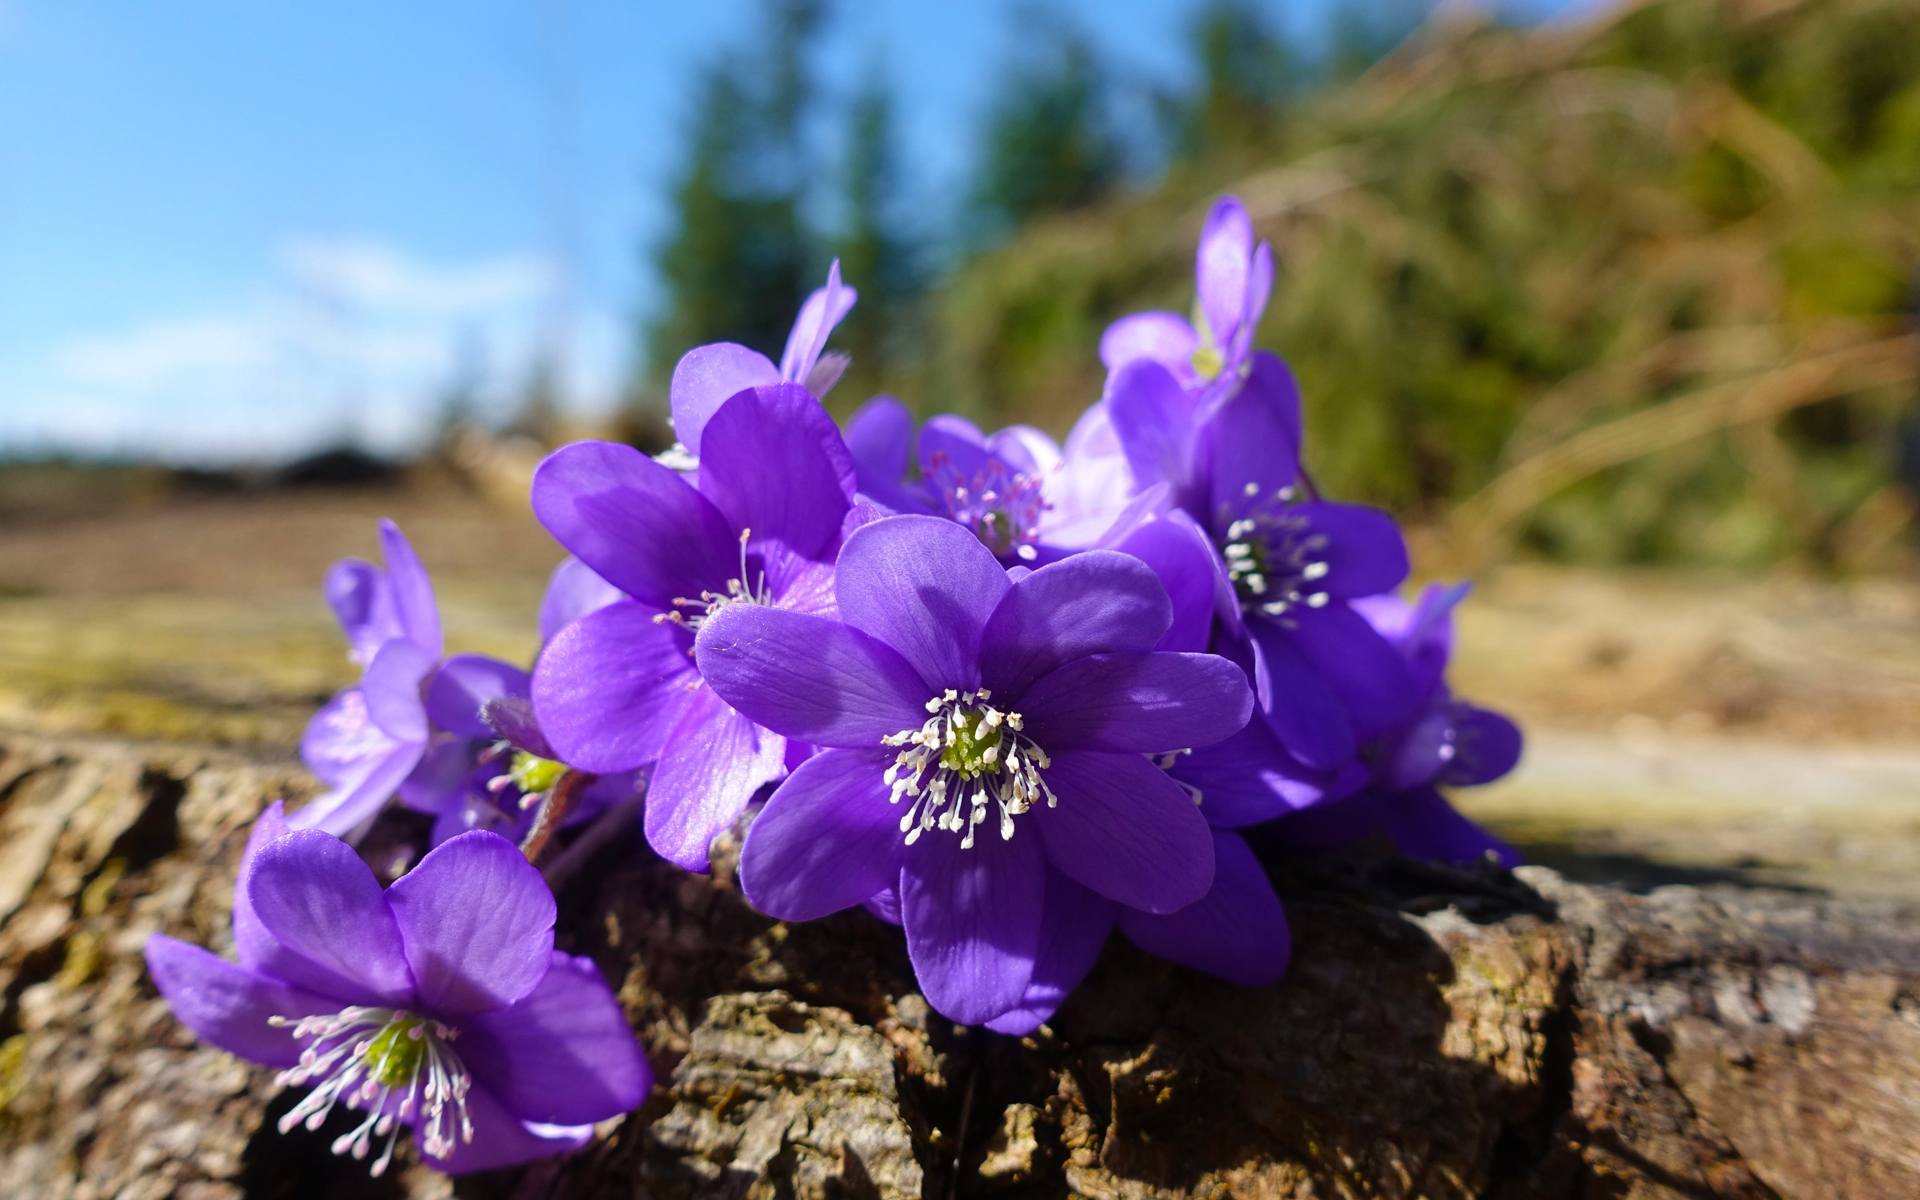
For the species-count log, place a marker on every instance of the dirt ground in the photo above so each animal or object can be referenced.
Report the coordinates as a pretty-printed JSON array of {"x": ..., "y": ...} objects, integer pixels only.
[{"x": 1683, "y": 727}]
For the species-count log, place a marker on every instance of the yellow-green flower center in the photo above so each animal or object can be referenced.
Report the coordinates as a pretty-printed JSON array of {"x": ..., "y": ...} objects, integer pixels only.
[
  {"x": 973, "y": 746},
  {"x": 531, "y": 773},
  {"x": 393, "y": 1056},
  {"x": 968, "y": 758}
]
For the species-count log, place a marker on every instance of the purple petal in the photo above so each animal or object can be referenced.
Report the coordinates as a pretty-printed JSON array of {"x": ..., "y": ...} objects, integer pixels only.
[
  {"x": 1423, "y": 825},
  {"x": 342, "y": 739},
  {"x": 1148, "y": 702},
  {"x": 1220, "y": 268},
  {"x": 572, "y": 593},
  {"x": 1426, "y": 636},
  {"x": 230, "y": 1006},
  {"x": 885, "y": 905},
  {"x": 1125, "y": 830},
  {"x": 972, "y": 920},
  {"x": 1154, "y": 419},
  {"x": 476, "y": 921},
  {"x": 879, "y": 436},
  {"x": 563, "y": 1055},
  {"x": 1073, "y": 929},
  {"x": 502, "y": 1140},
  {"x": 464, "y": 685},
  {"x": 1252, "y": 456},
  {"x": 1487, "y": 746},
  {"x": 828, "y": 839},
  {"x": 611, "y": 687},
  {"x": 1250, "y": 778},
  {"x": 713, "y": 762},
  {"x": 954, "y": 443},
  {"x": 776, "y": 468},
  {"x": 1027, "y": 450},
  {"x": 925, "y": 587},
  {"x": 361, "y": 600},
  {"x": 1259, "y": 291},
  {"x": 809, "y": 677},
  {"x": 1091, "y": 486},
  {"x": 1269, "y": 374},
  {"x": 1305, "y": 713},
  {"x": 392, "y": 688},
  {"x": 413, "y": 600},
  {"x": 1158, "y": 337},
  {"x": 440, "y": 777},
  {"x": 820, "y": 312},
  {"x": 253, "y": 945},
  {"x": 635, "y": 523},
  {"x": 1361, "y": 667},
  {"x": 314, "y": 896},
  {"x": 1180, "y": 555},
  {"x": 707, "y": 377},
  {"x": 360, "y": 792},
  {"x": 1419, "y": 752},
  {"x": 1100, "y": 600},
  {"x": 1236, "y": 931},
  {"x": 1364, "y": 551}
]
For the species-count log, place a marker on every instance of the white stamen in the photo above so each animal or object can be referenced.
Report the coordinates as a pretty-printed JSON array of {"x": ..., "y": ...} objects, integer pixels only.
[
  {"x": 343, "y": 1059},
  {"x": 966, "y": 761}
]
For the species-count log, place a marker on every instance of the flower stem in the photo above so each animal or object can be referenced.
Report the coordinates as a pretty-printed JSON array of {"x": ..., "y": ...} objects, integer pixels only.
[
  {"x": 598, "y": 834},
  {"x": 559, "y": 801}
]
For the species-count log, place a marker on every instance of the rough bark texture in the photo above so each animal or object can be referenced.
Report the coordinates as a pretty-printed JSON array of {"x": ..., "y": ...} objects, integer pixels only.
[{"x": 1441, "y": 1033}]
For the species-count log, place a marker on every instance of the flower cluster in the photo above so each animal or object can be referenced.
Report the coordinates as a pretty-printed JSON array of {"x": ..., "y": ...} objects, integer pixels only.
[{"x": 1007, "y": 694}]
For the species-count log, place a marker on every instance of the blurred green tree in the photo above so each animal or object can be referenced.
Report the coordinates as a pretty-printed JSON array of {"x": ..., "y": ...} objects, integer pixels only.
[
  {"x": 1049, "y": 145},
  {"x": 741, "y": 256},
  {"x": 880, "y": 253}
]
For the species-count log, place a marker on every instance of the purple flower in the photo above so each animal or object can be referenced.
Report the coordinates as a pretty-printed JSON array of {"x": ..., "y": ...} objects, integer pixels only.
[
  {"x": 708, "y": 376},
  {"x": 619, "y": 688},
  {"x": 1235, "y": 280},
  {"x": 389, "y": 734},
  {"x": 985, "y": 753},
  {"x": 1323, "y": 676},
  {"x": 1023, "y": 497},
  {"x": 1444, "y": 742},
  {"x": 439, "y": 1004}
]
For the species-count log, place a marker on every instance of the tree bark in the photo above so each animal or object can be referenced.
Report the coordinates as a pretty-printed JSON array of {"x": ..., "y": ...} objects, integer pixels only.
[{"x": 1441, "y": 1033}]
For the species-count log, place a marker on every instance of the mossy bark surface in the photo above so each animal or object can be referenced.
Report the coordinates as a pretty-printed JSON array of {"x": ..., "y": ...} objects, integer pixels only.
[{"x": 1441, "y": 1033}]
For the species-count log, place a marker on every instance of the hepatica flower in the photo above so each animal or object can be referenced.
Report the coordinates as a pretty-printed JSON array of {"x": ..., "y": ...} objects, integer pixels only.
[
  {"x": 391, "y": 734},
  {"x": 1445, "y": 742},
  {"x": 1213, "y": 353},
  {"x": 708, "y": 376},
  {"x": 1021, "y": 495},
  {"x": 1229, "y": 456},
  {"x": 985, "y": 741},
  {"x": 438, "y": 1004},
  {"x": 759, "y": 528}
]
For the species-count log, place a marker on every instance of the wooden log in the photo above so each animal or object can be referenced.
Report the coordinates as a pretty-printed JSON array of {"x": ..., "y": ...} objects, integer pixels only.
[{"x": 1441, "y": 1033}]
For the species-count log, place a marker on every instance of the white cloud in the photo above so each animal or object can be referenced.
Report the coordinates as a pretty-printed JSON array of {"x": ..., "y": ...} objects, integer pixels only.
[
  {"x": 364, "y": 272},
  {"x": 160, "y": 351},
  {"x": 352, "y": 338}
]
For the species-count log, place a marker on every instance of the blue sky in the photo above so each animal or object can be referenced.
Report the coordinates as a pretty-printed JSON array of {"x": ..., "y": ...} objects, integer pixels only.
[{"x": 238, "y": 229}]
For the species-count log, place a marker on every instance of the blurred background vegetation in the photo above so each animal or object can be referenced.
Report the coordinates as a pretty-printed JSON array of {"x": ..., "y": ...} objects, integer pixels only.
[{"x": 1636, "y": 288}]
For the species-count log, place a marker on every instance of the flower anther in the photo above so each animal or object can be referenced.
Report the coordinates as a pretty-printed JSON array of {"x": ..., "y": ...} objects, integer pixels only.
[
  {"x": 966, "y": 759},
  {"x": 1274, "y": 558},
  {"x": 391, "y": 1063},
  {"x": 1000, "y": 505}
]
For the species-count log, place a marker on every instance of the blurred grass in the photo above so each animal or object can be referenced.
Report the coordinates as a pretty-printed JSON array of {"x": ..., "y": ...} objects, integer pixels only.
[{"x": 1627, "y": 291}]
